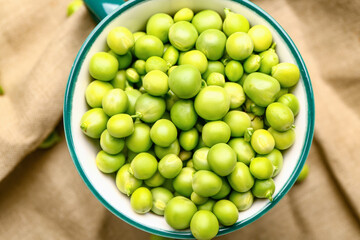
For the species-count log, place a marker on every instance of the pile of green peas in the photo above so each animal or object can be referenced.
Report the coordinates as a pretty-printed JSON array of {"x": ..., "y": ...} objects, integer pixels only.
[{"x": 192, "y": 116}]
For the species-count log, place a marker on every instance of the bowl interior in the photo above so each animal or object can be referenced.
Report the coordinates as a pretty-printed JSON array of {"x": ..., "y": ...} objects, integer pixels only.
[{"x": 134, "y": 15}]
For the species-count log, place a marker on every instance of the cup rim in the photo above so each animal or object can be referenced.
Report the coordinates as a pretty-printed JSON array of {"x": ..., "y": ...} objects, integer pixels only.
[{"x": 180, "y": 234}]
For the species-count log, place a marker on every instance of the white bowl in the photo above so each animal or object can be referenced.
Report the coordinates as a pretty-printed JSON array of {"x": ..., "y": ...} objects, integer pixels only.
[{"x": 134, "y": 15}]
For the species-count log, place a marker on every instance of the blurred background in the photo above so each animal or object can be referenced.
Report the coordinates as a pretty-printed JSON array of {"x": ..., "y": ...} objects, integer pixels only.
[{"x": 43, "y": 197}]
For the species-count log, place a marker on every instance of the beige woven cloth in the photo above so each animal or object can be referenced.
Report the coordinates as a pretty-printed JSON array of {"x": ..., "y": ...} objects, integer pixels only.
[{"x": 43, "y": 197}]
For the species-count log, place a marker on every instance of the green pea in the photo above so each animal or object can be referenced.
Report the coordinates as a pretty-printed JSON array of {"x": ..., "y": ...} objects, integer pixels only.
[
  {"x": 252, "y": 63},
  {"x": 262, "y": 141},
  {"x": 51, "y": 140},
  {"x": 159, "y": 25},
  {"x": 236, "y": 93},
  {"x": 200, "y": 159},
  {"x": 226, "y": 212},
  {"x": 123, "y": 60},
  {"x": 224, "y": 190},
  {"x": 120, "y": 80},
  {"x": 143, "y": 166},
  {"x": 269, "y": 59},
  {"x": 171, "y": 56},
  {"x": 156, "y": 63},
  {"x": 103, "y": 66},
  {"x": 216, "y": 78},
  {"x": 264, "y": 188},
  {"x": 132, "y": 75},
  {"x": 239, "y": 46},
  {"x": 125, "y": 182},
  {"x": 120, "y": 40},
  {"x": 261, "y": 88},
  {"x": 251, "y": 107},
  {"x": 209, "y": 97},
  {"x": 234, "y": 71},
  {"x": 209, "y": 205},
  {"x": 184, "y": 14},
  {"x": 74, "y": 6},
  {"x": 238, "y": 122},
  {"x": 149, "y": 108},
  {"x": 182, "y": 183},
  {"x": 291, "y": 101},
  {"x": 179, "y": 211},
  {"x": 256, "y": 121},
  {"x": 215, "y": 132},
  {"x": 261, "y": 36},
  {"x": 244, "y": 151},
  {"x": 303, "y": 174},
  {"x": 234, "y": 23},
  {"x": 141, "y": 200},
  {"x": 95, "y": 92},
  {"x": 147, "y": 46},
  {"x": 185, "y": 81},
  {"x": 242, "y": 201},
  {"x": 93, "y": 122},
  {"x": 221, "y": 159},
  {"x": 190, "y": 163},
  {"x": 133, "y": 95},
  {"x": 261, "y": 168},
  {"x": 197, "y": 199},
  {"x": 139, "y": 66},
  {"x": 212, "y": 43},
  {"x": 156, "y": 83},
  {"x": 204, "y": 225},
  {"x": 120, "y": 125},
  {"x": 139, "y": 141},
  {"x": 114, "y": 102},
  {"x": 183, "y": 114},
  {"x": 189, "y": 139},
  {"x": 283, "y": 140},
  {"x": 195, "y": 58},
  {"x": 214, "y": 66},
  {"x": 241, "y": 179},
  {"x": 206, "y": 183},
  {"x": 207, "y": 19},
  {"x": 287, "y": 74},
  {"x": 108, "y": 163},
  {"x": 183, "y": 35},
  {"x": 110, "y": 144},
  {"x": 161, "y": 196},
  {"x": 279, "y": 116},
  {"x": 170, "y": 166},
  {"x": 276, "y": 159},
  {"x": 155, "y": 181},
  {"x": 161, "y": 152},
  {"x": 163, "y": 133}
]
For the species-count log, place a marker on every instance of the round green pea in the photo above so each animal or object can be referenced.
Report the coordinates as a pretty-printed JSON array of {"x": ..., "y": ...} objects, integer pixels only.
[
  {"x": 276, "y": 158},
  {"x": 234, "y": 71},
  {"x": 156, "y": 63},
  {"x": 287, "y": 74},
  {"x": 171, "y": 56},
  {"x": 264, "y": 188},
  {"x": 120, "y": 80},
  {"x": 103, "y": 66},
  {"x": 183, "y": 35},
  {"x": 291, "y": 101},
  {"x": 261, "y": 37},
  {"x": 211, "y": 42},
  {"x": 150, "y": 108},
  {"x": 155, "y": 181},
  {"x": 214, "y": 66},
  {"x": 207, "y": 19},
  {"x": 161, "y": 196},
  {"x": 182, "y": 183},
  {"x": 235, "y": 22},
  {"x": 242, "y": 201},
  {"x": 226, "y": 212},
  {"x": 141, "y": 200},
  {"x": 262, "y": 141},
  {"x": 279, "y": 116},
  {"x": 224, "y": 190},
  {"x": 200, "y": 159},
  {"x": 283, "y": 140},
  {"x": 143, "y": 166},
  {"x": 238, "y": 122},
  {"x": 183, "y": 114},
  {"x": 204, "y": 225},
  {"x": 221, "y": 159},
  {"x": 156, "y": 83},
  {"x": 241, "y": 179},
  {"x": 114, "y": 102},
  {"x": 163, "y": 133},
  {"x": 108, "y": 163},
  {"x": 120, "y": 125},
  {"x": 159, "y": 25},
  {"x": 215, "y": 132},
  {"x": 120, "y": 40},
  {"x": 132, "y": 75},
  {"x": 123, "y": 60},
  {"x": 93, "y": 122},
  {"x": 110, "y": 144},
  {"x": 185, "y": 81},
  {"x": 125, "y": 182},
  {"x": 147, "y": 46},
  {"x": 261, "y": 168},
  {"x": 189, "y": 139},
  {"x": 268, "y": 60},
  {"x": 244, "y": 151},
  {"x": 197, "y": 199},
  {"x": 133, "y": 95},
  {"x": 95, "y": 93},
  {"x": 195, "y": 58},
  {"x": 139, "y": 141},
  {"x": 184, "y": 14},
  {"x": 252, "y": 63},
  {"x": 170, "y": 166},
  {"x": 179, "y": 211},
  {"x": 239, "y": 46},
  {"x": 161, "y": 152},
  {"x": 206, "y": 183},
  {"x": 208, "y": 205},
  {"x": 139, "y": 66},
  {"x": 215, "y": 78}
]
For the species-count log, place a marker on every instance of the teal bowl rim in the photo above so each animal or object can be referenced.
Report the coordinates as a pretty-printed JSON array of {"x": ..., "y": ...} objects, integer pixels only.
[{"x": 180, "y": 234}]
